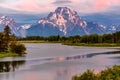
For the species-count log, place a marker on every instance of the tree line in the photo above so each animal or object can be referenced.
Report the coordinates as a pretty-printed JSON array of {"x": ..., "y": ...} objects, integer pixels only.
[{"x": 93, "y": 38}]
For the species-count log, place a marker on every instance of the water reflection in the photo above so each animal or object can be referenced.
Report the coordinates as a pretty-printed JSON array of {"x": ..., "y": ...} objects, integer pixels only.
[
  {"x": 10, "y": 66},
  {"x": 62, "y": 71},
  {"x": 104, "y": 53},
  {"x": 55, "y": 68},
  {"x": 85, "y": 56}
]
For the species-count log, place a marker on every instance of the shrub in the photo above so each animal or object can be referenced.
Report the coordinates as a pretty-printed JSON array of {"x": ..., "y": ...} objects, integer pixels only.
[
  {"x": 17, "y": 48},
  {"x": 108, "y": 74},
  {"x": 88, "y": 75},
  {"x": 111, "y": 73}
]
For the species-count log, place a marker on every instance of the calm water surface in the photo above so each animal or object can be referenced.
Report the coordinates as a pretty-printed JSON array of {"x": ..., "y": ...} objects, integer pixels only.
[{"x": 57, "y": 62}]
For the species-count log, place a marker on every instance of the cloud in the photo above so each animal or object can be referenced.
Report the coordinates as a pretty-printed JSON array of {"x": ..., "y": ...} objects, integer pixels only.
[
  {"x": 26, "y": 5},
  {"x": 32, "y": 6},
  {"x": 20, "y": 5},
  {"x": 101, "y": 5},
  {"x": 57, "y": 2},
  {"x": 8, "y": 1},
  {"x": 2, "y": 1},
  {"x": 96, "y": 6},
  {"x": 44, "y": 6}
]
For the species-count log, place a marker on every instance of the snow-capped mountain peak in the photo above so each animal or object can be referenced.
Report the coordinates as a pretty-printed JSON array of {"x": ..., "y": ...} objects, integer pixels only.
[
  {"x": 5, "y": 20},
  {"x": 66, "y": 22},
  {"x": 64, "y": 15},
  {"x": 63, "y": 18}
]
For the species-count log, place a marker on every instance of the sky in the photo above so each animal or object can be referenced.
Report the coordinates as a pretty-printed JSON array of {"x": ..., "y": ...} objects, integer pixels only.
[
  {"x": 83, "y": 7},
  {"x": 44, "y": 6}
]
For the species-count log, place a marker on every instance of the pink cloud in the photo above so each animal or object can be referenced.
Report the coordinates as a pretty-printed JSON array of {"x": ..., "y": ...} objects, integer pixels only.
[
  {"x": 3, "y": 5},
  {"x": 26, "y": 5},
  {"x": 115, "y": 2},
  {"x": 101, "y": 5},
  {"x": 42, "y": 6},
  {"x": 35, "y": 6}
]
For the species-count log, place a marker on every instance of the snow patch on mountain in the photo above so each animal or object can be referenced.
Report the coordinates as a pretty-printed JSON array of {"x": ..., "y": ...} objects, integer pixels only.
[
  {"x": 63, "y": 18},
  {"x": 26, "y": 26},
  {"x": 5, "y": 20}
]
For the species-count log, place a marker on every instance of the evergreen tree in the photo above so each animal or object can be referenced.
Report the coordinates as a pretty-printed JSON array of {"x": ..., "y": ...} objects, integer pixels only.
[
  {"x": 2, "y": 42},
  {"x": 6, "y": 37}
]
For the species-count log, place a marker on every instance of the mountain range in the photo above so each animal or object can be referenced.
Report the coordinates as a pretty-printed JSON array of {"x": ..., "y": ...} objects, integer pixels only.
[{"x": 63, "y": 21}]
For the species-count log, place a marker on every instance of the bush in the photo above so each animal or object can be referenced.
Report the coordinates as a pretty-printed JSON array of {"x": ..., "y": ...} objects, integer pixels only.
[
  {"x": 108, "y": 74},
  {"x": 111, "y": 73},
  {"x": 17, "y": 48},
  {"x": 88, "y": 75}
]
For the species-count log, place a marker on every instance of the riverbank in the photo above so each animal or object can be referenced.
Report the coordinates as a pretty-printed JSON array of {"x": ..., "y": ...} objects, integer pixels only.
[
  {"x": 75, "y": 44},
  {"x": 7, "y": 54},
  {"x": 94, "y": 44},
  {"x": 38, "y": 41}
]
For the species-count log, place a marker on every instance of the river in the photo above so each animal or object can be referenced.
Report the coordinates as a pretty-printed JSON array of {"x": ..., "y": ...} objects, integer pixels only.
[{"x": 57, "y": 62}]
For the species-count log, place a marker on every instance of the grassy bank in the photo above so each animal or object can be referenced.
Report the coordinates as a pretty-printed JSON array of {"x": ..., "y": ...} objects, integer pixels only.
[
  {"x": 75, "y": 44},
  {"x": 7, "y": 54},
  {"x": 94, "y": 44},
  {"x": 38, "y": 41},
  {"x": 33, "y": 41}
]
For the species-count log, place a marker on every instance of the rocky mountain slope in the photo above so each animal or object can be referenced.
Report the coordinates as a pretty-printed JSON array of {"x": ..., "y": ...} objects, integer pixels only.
[{"x": 65, "y": 22}]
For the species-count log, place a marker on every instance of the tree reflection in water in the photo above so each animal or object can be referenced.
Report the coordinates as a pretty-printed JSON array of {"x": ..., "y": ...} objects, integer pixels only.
[{"x": 10, "y": 66}]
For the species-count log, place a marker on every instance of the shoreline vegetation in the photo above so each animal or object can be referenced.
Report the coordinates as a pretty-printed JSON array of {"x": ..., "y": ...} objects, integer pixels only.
[
  {"x": 105, "y": 40},
  {"x": 7, "y": 54},
  {"x": 9, "y": 46},
  {"x": 74, "y": 44},
  {"x": 112, "y": 73},
  {"x": 37, "y": 41},
  {"x": 94, "y": 45}
]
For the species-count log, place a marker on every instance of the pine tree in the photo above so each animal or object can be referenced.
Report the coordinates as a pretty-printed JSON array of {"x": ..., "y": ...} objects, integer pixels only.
[
  {"x": 2, "y": 42},
  {"x": 6, "y": 37}
]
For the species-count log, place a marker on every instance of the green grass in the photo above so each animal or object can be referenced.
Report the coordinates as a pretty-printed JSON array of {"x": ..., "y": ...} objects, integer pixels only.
[
  {"x": 7, "y": 54},
  {"x": 33, "y": 41},
  {"x": 38, "y": 41},
  {"x": 94, "y": 44},
  {"x": 75, "y": 44}
]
